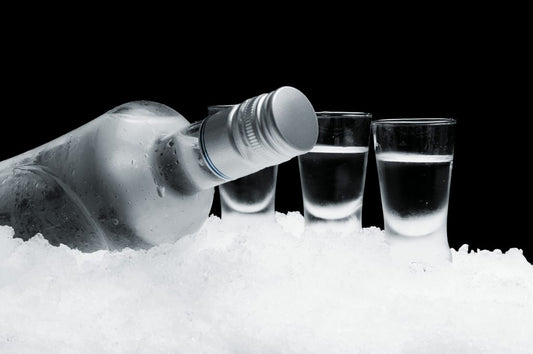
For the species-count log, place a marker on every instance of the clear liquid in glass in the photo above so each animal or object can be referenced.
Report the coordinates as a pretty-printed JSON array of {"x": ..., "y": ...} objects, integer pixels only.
[
  {"x": 333, "y": 179},
  {"x": 415, "y": 191},
  {"x": 252, "y": 195}
]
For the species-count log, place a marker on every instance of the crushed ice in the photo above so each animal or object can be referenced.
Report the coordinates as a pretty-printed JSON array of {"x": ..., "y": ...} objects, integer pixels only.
[{"x": 261, "y": 289}]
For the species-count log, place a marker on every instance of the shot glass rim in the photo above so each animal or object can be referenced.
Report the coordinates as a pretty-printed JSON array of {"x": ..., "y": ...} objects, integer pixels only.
[
  {"x": 342, "y": 114},
  {"x": 414, "y": 121}
]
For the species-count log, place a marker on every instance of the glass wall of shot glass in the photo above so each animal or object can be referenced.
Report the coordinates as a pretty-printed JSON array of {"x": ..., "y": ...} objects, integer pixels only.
[
  {"x": 250, "y": 198},
  {"x": 414, "y": 161},
  {"x": 333, "y": 173}
]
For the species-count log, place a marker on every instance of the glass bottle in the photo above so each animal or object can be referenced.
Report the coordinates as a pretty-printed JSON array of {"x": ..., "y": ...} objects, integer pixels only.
[{"x": 142, "y": 175}]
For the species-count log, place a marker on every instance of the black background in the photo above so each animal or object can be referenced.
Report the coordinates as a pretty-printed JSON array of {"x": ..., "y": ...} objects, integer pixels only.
[{"x": 57, "y": 78}]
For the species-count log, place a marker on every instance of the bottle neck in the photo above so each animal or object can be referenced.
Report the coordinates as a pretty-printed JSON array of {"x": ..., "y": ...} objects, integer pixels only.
[
  {"x": 180, "y": 163},
  {"x": 262, "y": 131}
]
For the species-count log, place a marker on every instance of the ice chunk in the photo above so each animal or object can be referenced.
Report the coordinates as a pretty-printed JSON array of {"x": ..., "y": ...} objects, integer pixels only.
[{"x": 261, "y": 289}]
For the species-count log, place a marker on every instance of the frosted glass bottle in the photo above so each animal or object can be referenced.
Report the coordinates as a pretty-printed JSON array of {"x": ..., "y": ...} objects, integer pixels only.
[{"x": 142, "y": 175}]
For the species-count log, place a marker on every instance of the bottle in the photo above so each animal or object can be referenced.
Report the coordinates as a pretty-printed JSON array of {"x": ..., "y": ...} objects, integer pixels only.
[{"x": 142, "y": 175}]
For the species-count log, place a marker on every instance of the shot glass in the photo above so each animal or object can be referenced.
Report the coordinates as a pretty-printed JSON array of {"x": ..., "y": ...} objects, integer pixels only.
[
  {"x": 250, "y": 198},
  {"x": 333, "y": 173},
  {"x": 414, "y": 160}
]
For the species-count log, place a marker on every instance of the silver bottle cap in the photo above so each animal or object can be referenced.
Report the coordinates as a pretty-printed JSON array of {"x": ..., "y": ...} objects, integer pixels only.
[{"x": 262, "y": 131}]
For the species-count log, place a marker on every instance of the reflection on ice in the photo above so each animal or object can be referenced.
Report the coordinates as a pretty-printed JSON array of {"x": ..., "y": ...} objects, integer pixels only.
[{"x": 267, "y": 289}]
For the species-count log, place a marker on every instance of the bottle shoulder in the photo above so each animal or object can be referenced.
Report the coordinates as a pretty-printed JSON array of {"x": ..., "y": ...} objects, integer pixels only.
[
  {"x": 144, "y": 109},
  {"x": 148, "y": 116}
]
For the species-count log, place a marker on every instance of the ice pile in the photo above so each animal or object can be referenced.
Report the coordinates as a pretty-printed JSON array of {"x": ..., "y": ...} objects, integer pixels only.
[{"x": 269, "y": 289}]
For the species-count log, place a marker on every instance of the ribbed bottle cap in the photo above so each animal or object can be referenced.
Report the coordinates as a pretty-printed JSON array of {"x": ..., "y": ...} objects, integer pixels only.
[{"x": 260, "y": 132}]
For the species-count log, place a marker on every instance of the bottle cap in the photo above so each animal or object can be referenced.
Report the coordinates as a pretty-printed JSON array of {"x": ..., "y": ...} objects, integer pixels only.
[{"x": 262, "y": 131}]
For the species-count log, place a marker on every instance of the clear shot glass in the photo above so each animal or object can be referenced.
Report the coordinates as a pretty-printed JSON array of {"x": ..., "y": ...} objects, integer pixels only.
[
  {"x": 333, "y": 173},
  {"x": 414, "y": 159},
  {"x": 250, "y": 198}
]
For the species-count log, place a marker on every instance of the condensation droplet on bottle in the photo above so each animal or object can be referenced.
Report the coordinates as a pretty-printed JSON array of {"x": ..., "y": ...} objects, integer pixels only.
[
  {"x": 146, "y": 155},
  {"x": 133, "y": 162},
  {"x": 115, "y": 222},
  {"x": 73, "y": 172},
  {"x": 161, "y": 191}
]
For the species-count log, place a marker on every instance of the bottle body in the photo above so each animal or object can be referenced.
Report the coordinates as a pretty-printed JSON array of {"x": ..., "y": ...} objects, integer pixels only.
[{"x": 101, "y": 186}]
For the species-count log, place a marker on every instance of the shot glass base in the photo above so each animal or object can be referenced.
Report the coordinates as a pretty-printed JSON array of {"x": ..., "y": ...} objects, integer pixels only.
[
  {"x": 236, "y": 218},
  {"x": 348, "y": 224},
  {"x": 431, "y": 249}
]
